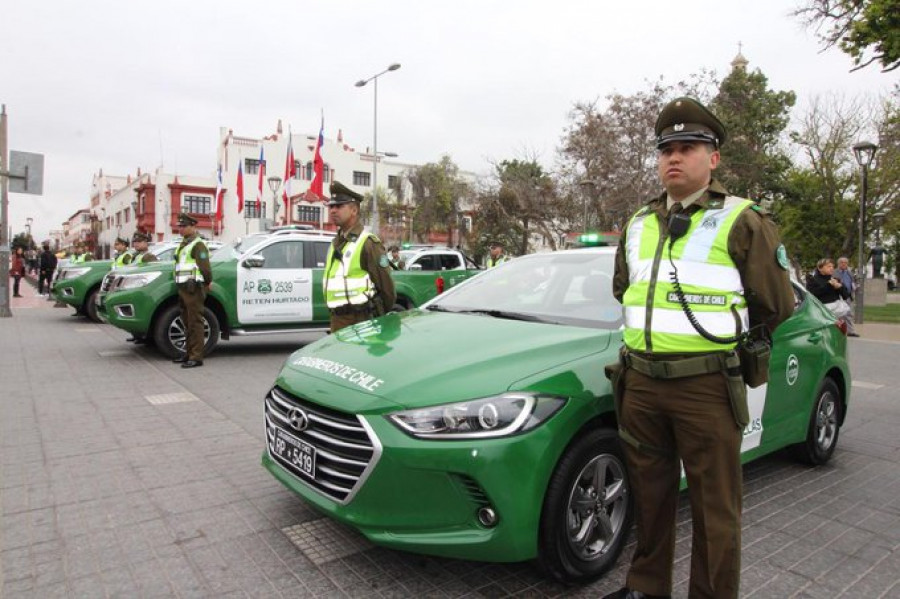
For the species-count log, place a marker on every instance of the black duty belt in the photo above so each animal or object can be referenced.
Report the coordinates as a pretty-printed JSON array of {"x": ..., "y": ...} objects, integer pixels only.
[
  {"x": 351, "y": 309},
  {"x": 676, "y": 369}
]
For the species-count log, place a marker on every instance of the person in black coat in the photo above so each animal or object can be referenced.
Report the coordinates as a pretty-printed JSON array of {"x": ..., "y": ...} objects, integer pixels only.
[
  {"x": 46, "y": 266},
  {"x": 824, "y": 285}
]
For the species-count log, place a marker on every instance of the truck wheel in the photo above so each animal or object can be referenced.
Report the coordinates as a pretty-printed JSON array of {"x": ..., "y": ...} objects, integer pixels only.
[
  {"x": 824, "y": 426},
  {"x": 587, "y": 510},
  {"x": 169, "y": 336},
  {"x": 90, "y": 305}
]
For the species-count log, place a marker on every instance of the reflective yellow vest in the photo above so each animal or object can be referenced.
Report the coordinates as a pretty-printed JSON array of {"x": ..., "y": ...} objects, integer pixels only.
[
  {"x": 345, "y": 281},
  {"x": 186, "y": 268},
  {"x": 709, "y": 278},
  {"x": 78, "y": 259},
  {"x": 121, "y": 259},
  {"x": 491, "y": 263}
]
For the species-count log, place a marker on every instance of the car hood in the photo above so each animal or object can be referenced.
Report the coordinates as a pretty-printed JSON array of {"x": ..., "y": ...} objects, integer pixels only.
[{"x": 421, "y": 358}]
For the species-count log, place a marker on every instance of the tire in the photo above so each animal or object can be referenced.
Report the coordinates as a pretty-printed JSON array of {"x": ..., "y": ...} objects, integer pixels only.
[
  {"x": 824, "y": 426},
  {"x": 583, "y": 531},
  {"x": 168, "y": 332},
  {"x": 90, "y": 306}
]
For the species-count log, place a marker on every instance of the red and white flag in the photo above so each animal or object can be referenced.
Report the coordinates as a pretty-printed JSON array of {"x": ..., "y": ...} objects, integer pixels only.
[
  {"x": 240, "y": 186},
  {"x": 318, "y": 164},
  {"x": 262, "y": 175},
  {"x": 289, "y": 170}
]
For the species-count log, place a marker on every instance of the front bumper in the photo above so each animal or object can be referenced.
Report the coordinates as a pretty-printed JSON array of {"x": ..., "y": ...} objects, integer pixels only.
[{"x": 425, "y": 495}]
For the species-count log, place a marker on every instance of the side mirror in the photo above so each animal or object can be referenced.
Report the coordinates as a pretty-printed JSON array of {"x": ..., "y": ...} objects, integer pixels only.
[{"x": 254, "y": 261}]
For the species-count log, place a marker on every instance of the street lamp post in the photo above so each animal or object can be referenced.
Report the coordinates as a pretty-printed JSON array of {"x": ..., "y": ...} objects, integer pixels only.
[
  {"x": 865, "y": 152},
  {"x": 274, "y": 184},
  {"x": 28, "y": 222},
  {"x": 373, "y": 226}
]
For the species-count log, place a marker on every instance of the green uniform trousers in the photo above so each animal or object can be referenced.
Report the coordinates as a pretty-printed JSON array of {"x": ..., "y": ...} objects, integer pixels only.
[
  {"x": 191, "y": 298},
  {"x": 688, "y": 418}
]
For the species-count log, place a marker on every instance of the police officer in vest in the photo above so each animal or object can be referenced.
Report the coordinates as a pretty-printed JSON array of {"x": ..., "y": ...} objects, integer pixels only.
[
  {"x": 496, "y": 257},
  {"x": 80, "y": 254},
  {"x": 679, "y": 393},
  {"x": 124, "y": 256},
  {"x": 193, "y": 277},
  {"x": 357, "y": 281},
  {"x": 141, "y": 242}
]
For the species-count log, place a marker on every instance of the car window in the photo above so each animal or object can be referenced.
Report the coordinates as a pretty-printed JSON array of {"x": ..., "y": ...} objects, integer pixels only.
[
  {"x": 563, "y": 288},
  {"x": 449, "y": 261},
  {"x": 316, "y": 254},
  {"x": 428, "y": 262},
  {"x": 165, "y": 254},
  {"x": 283, "y": 254}
]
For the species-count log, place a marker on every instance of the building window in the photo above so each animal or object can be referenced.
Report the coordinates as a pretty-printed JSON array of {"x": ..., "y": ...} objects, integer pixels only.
[
  {"x": 251, "y": 166},
  {"x": 362, "y": 179},
  {"x": 309, "y": 214},
  {"x": 196, "y": 204},
  {"x": 326, "y": 174},
  {"x": 252, "y": 210},
  {"x": 298, "y": 170},
  {"x": 127, "y": 215},
  {"x": 394, "y": 182}
]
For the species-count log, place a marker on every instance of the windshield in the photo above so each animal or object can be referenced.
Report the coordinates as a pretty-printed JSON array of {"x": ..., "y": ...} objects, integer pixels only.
[
  {"x": 236, "y": 249},
  {"x": 571, "y": 288}
]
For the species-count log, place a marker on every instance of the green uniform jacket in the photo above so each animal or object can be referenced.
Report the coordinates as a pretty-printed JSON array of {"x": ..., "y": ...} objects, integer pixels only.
[
  {"x": 753, "y": 245},
  {"x": 374, "y": 261},
  {"x": 200, "y": 254}
]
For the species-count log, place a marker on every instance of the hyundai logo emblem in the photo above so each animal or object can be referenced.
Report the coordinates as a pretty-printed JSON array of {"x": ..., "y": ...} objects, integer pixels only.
[{"x": 298, "y": 419}]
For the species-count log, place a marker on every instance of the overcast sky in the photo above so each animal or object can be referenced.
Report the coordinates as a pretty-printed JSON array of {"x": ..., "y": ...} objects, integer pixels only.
[{"x": 119, "y": 84}]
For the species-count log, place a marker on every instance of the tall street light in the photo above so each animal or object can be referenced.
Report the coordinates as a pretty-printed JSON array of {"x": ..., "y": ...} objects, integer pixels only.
[
  {"x": 373, "y": 225},
  {"x": 865, "y": 152},
  {"x": 274, "y": 184}
]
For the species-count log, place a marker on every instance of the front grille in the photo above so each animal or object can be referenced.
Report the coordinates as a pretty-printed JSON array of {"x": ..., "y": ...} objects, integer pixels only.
[
  {"x": 472, "y": 489},
  {"x": 346, "y": 448}
]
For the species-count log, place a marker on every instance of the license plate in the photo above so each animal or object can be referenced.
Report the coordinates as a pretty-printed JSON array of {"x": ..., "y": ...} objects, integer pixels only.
[{"x": 298, "y": 454}]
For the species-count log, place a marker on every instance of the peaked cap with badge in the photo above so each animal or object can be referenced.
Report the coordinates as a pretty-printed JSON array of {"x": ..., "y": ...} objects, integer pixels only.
[
  {"x": 123, "y": 241},
  {"x": 139, "y": 236},
  {"x": 186, "y": 220},
  {"x": 341, "y": 194},
  {"x": 686, "y": 119}
]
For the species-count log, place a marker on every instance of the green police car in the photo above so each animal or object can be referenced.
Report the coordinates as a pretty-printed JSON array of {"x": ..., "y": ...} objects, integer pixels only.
[
  {"x": 481, "y": 426},
  {"x": 264, "y": 283}
]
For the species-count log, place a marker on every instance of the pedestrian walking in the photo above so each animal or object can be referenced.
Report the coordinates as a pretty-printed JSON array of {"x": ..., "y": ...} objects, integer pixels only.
[
  {"x": 679, "y": 391},
  {"x": 193, "y": 277},
  {"x": 357, "y": 282},
  {"x": 46, "y": 265},
  {"x": 17, "y": 269}
]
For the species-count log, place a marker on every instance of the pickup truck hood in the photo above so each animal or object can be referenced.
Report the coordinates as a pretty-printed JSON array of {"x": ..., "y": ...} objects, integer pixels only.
[{"x": 421, "y": 358}]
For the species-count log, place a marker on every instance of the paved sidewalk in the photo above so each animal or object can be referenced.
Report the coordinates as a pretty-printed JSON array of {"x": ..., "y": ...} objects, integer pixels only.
[{"x": 121, "y": 475}]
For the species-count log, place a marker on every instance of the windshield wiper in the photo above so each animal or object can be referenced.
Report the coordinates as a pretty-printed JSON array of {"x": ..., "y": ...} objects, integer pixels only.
[
  {"x": 507, "y": 315},
  {"x": 438, "y": 308}
]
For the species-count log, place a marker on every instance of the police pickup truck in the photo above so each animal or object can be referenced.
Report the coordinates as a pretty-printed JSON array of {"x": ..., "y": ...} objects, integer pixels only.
[
  {"x": 262, "y": 283},
  {"x": 79, "y": 284}
]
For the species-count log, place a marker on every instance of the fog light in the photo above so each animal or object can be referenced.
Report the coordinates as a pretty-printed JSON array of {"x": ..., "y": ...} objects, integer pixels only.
[{"x": 487, "y": 517}]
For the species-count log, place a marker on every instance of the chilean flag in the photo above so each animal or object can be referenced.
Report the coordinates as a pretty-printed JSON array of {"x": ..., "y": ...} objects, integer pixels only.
[
  {"x": 318, "y": 164},
  {"x": 218, "y": 200},
  {"x": 262, "y": 175},
  {"x": 240, "y": 186},
  {"x": 289, "y": 170}
]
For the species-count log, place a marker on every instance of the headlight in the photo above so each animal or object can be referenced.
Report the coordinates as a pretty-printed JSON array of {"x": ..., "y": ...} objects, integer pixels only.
[
  {"x": 71, "y": 273},
  {"x": 489, "y": 417},
  {"x": 137, "y": 280}
]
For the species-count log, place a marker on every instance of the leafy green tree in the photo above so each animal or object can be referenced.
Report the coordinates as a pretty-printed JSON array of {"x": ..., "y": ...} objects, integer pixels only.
[
  {"x": 438, "y": 191},
  {"x": 753, "y": 161},
  {"x": 867, "y": 30}
]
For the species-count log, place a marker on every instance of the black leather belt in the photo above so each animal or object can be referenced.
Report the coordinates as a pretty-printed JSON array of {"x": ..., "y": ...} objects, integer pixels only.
[{"x": 674, "y": 369}]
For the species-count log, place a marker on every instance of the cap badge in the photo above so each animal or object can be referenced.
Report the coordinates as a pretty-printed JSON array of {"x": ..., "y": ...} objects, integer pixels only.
[{"x": 679, "y": 127}]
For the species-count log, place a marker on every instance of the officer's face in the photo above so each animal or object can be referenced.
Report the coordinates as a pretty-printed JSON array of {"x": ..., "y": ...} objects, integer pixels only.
[
  {"x": 343, "y": 215},
  {"x": 686, "y": 166}
]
